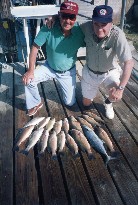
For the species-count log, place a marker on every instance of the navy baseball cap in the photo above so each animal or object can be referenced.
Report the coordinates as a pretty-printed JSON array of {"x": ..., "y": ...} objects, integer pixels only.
[{"x": 102, "y": 14}]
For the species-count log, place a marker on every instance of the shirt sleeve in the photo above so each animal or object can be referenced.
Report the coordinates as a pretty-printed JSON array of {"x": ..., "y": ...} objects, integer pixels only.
[
  {"x": 122, "y": 48},
  {"x": 41, "y": 37}
]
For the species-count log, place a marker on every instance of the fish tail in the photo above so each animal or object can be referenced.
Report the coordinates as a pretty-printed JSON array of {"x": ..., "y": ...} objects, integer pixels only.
[
  {"x": 15, "y": 148},
  {"x": 107, "y": 159},
  {"x": 91, "y": 156},
  {"x": 54, "y": 156},
  {"x": 40, "y": 154},
  {"x": 61, "y": 152},
  {"x": 115, "y": 154},
  {"x": 25, "y": 152},
  {"x": 77, "y": 155}
]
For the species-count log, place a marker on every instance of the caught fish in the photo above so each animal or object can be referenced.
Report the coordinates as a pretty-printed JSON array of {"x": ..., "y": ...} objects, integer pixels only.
[
  {"x": 35, "y": 136},
  {"x": 65, "y": 125},
  {"x": 25, "y": 133},
  {"x": 34, "y": 121},
  {"x": 52, "y": 142},
  {"x": 84, "y": 122},
  {"x": 93, "y": 115},
  {"x": 91, "y": 120},
  {"x": 57, "y": 126},
  {"x": 50, "y": 124},
  {"x": 61, "y": 141},
  {"x": 104, "y": 136},
  {"x": 96, "y": 143},
  {"x": 43, "y": 123},
  {"x": 43, "y": 142},
  {"x": 74, "y": 124},
  {"x": 82, "y": 142},
  {"x": 72, "y": 145}
]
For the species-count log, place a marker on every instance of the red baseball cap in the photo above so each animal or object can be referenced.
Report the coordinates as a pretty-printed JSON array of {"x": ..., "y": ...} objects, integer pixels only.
[{"x": 69, "y": 7}]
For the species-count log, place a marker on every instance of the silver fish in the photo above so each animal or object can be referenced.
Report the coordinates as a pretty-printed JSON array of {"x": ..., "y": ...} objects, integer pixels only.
[
  {"x": 104, "y": 136},
  {"x": 72, "y": 145},
  {"x": 65, "y": 125},
  {"x": 96, "y": 143},
  {"x": 35, "y": 136},
  {"x": 74, "y": 124},
  {"x": 52, "y": 142},
  {"x": 57, "y": 126},
  {"x": 91, "y": 120},
  {"x": 34, "y": 121},
  {"x": 61, "y": 141},
  {"x": 43, "y": 123},
  {"x": 84, "y": 122},
  {"x": 25, "y": 133},
  {"x": 43, "y": 142},
  {"x": 93, "y": 115},
  {"x": 50, "y": 124},
  {"x": 82, "y": 142}
]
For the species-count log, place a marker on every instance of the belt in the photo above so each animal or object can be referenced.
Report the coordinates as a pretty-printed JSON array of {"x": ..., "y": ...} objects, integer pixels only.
[
  {"x": 98, "y": 72},
  {"x": 59, "y": 71}
]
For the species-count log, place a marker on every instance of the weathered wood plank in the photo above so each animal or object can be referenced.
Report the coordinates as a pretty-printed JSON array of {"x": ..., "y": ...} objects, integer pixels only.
[
  {"x": 77, "y": 185},
  {"x": 51, "y": 177},
  {"x": 26, "y": 182},
  {"x": 97, "y": 172},
  {"x": 6, "y": 136}
]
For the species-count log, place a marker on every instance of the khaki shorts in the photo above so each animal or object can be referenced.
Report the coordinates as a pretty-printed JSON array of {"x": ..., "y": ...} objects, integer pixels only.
[{"x": 91, "y": 82}]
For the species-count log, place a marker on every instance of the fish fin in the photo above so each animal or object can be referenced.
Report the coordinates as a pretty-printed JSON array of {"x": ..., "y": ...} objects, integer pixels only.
[
  {"x": 91, "y": 156},
  {"x": 40, "y": 154},
  {"x": 54, "y": 156},
  {"x": 61, "y": 152},
  {"x": 25, "y": 152},
  {"x": 15, "y": 148},
  {"x": 107, "y": 159}
]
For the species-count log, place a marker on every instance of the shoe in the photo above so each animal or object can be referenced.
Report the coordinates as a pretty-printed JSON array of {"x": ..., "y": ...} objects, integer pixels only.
[
  {"x": 34, "y": 110},
  {"x": 109, "y": 112}
]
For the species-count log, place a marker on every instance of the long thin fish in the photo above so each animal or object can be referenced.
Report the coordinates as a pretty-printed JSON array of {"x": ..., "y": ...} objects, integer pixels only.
[
  {"x": 72, "y": 145},
  {"x": 91, "y": 120},
  {"x": 84, "y": 122},
  {"x": 53, "y": 144},
  {"x": 74, "y": 124},
  {"x": 93, "y": 115},
  {"x": 25, "y": 133},
  {"x": 34, "y": 121},
  {"x": 57, "y": 126},
  {"x": 96, "y": 143},
  {"x": 35, "y": 136},
  {"x": 43, "y": 142},
  {"x": 61, "y": 142},
  {"x": 43, "y": 123},
  {"x": 65, "y": 125},
  {"x": 82, "y": 142},
  {"x": 50, "y": 124}
]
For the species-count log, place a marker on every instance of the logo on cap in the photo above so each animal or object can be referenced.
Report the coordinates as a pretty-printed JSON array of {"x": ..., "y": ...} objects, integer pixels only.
[{"x": 103, "y": 12}]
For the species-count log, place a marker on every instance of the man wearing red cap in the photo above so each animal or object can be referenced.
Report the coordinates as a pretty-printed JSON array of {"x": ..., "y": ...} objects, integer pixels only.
[
  {"x": 62, "y": 44},
  {"x": 106, "y": 47}
]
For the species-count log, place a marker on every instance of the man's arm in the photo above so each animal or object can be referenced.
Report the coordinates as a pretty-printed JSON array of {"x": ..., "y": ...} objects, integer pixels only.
[
  {"x": 116, "y": 93},
  {"x": 29, "y": 75}
]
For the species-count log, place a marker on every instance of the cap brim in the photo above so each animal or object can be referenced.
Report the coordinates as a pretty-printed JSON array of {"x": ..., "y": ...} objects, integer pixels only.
[
  {"x": 102, "y": 20},
  {"x": 68, "y": 12}
]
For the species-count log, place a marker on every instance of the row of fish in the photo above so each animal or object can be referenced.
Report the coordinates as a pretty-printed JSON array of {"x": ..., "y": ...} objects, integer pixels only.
[{"x": 82, "y": 132}]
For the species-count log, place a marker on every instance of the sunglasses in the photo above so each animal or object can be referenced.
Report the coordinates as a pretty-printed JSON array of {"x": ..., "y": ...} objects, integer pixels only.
[{"x": 68, "y": 16}]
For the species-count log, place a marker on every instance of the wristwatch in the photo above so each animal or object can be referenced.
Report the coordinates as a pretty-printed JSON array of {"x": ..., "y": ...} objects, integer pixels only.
[{"x": 121, "y": 87}]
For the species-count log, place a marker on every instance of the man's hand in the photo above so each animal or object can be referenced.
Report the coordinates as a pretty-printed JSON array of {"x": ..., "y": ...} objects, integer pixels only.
[
  {"x": 27, "y": 77},
  {"x": 50, "y": 21},
  {"x": 115, "y": 94}
]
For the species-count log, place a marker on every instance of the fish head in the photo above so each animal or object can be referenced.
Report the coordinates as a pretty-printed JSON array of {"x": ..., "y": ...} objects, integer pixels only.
[{"x": 85, "y": 128}]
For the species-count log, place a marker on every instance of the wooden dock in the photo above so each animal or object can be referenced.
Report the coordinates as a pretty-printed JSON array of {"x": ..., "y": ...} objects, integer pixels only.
[{"x": 28, "y": 180}]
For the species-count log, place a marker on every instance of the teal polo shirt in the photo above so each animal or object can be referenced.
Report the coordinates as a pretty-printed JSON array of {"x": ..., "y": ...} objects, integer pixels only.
[{"x": 61, "y": 51}]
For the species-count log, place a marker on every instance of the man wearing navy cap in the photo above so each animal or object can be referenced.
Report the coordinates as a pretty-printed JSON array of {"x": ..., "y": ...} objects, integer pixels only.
[{"x": 106, "y": 49}]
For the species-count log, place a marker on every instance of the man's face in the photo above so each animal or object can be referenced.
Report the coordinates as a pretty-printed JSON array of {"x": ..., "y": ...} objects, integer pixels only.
[
  {"x": 102, "y": 29},
  {"x": 67, "y": 21}
]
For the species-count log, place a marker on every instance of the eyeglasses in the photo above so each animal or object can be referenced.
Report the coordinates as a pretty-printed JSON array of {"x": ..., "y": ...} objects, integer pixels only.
[{"x": 68, "y": 16}]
